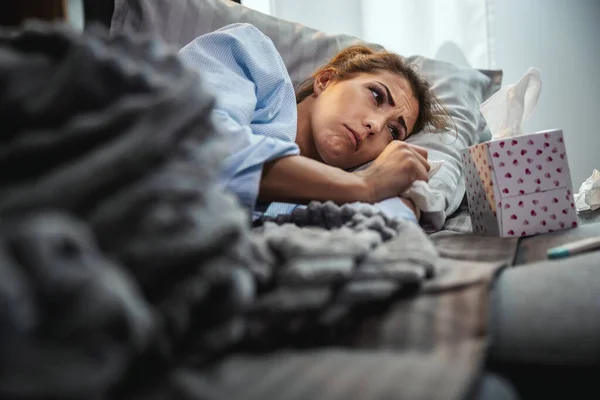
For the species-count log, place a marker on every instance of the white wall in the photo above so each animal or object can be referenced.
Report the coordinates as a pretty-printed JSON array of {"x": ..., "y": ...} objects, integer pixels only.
[
  {"x": 331, "y": 16},
  {"x": 561, "y": 37},
  {"x": 75, "y": 13},
  {"x": 263, "y": 6}
]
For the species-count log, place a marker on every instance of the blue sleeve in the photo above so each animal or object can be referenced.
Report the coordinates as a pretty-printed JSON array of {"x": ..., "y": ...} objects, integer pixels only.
[
  {"x": 255, "y": 106},
  {"x": 394, "y": 207}
]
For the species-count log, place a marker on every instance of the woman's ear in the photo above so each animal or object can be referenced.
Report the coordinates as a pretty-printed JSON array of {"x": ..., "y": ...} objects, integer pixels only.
[{"x": 324, "y": 79}]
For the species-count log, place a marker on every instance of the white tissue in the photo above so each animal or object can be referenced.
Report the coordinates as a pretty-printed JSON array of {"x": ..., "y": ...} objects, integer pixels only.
[
  {"x": 508, "y": 109},
  {"x": 423, "y": 196},
  {"x": 419, "y": 192},
  {"x": 434, "y": 167},
  {"x": 588, "y": 197}
]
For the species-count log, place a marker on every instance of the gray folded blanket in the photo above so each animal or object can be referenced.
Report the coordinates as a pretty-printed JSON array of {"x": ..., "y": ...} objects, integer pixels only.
[{"x": 122, "y": 265}]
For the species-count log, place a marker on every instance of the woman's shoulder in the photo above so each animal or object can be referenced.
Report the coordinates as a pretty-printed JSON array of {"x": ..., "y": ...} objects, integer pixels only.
[
  {"x": 241, "y": 65},
  {"x": 242, "y": 44},
  {"x": 240, "y": 37},
  {"x": 244, "y": 32}
]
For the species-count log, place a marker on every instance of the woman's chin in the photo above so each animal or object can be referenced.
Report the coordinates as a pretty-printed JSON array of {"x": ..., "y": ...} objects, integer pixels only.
[{"x": 337, "y": 157}]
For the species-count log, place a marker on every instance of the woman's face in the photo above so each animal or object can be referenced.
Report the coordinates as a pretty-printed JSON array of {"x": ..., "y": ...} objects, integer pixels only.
[{"x": 354, "y": 119}]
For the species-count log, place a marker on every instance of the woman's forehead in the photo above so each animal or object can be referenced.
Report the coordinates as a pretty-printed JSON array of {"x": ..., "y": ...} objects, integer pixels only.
[{"x": 397, "y": 83}]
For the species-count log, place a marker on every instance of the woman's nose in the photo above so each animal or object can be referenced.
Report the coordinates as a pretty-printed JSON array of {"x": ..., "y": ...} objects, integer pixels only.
[{"x": 373, "y": 127}]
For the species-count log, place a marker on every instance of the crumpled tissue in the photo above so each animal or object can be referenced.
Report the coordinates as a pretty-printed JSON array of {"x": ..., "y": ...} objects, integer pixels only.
[
  {"x": 588, "y": 197},
  {"x": 421, "y": 194}
]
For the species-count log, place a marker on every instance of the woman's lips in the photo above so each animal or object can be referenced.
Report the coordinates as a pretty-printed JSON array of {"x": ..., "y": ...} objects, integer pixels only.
[{"x": 354, "y": 138}]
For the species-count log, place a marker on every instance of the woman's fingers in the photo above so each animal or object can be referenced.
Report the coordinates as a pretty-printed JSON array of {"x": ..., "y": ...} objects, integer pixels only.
[
  {"x": 408, "y": 150},
  {"x": 422, "y": 158},
  {"x": 418, "y": 166},
  {"x": 420, "y": 172},
  {"x": 422, "y": 151},
  {"x": 395, "y": 170}
]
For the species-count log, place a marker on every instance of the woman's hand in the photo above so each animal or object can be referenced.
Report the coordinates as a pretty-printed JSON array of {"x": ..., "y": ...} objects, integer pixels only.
[{"x": 396, "y": 168}]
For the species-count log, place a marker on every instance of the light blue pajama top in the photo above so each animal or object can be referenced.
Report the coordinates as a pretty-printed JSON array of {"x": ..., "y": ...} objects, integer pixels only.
[{"x": 255, "y": 110}]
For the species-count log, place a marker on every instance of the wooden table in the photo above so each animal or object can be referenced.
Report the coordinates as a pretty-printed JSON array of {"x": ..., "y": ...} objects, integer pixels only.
[{"x": 534, "y": 248}]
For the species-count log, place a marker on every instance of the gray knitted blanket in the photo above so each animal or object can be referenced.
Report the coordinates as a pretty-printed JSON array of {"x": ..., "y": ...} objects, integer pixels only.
[{"x": 126, "y": 273}]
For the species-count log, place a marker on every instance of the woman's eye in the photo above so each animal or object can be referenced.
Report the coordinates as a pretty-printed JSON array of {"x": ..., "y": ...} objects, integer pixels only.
[
  {"x": 394, "y": 132},
  {"x": 377, "y": 95}
]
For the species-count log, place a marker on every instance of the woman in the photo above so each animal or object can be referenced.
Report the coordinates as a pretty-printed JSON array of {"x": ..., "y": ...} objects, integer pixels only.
[{"x": 356, "y": 109}]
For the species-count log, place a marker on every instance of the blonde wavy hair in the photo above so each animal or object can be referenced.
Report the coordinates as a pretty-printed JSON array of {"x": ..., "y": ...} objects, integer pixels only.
[{"x": 356, "y": 59}]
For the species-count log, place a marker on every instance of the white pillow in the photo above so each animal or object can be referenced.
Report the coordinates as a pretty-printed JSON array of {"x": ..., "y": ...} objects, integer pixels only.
[
  {"x": 461, "y": 90},
  {"x": 304, "y": 49},
  {"x": 178, "y": 22}
]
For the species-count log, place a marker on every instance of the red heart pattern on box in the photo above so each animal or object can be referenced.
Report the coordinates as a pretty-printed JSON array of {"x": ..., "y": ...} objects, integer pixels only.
[
  {"x": 530, "y": 163},
  {"x": 483, "y": 218},
  {"x": 532, "y": 192},
  {"x": 537, "y": 213}
]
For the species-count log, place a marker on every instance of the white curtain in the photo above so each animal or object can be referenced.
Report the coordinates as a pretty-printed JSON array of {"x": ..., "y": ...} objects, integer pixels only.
[
  {"x": 264, "y": 6},
  {"x": 458, "y": 31},
  {"x": 453, "y": 30}
]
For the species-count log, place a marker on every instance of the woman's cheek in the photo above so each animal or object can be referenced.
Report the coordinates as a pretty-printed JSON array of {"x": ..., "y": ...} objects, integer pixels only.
[{"x": 335, "y": 152}]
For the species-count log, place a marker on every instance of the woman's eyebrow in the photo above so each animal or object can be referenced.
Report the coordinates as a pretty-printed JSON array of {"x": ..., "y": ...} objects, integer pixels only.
[{"x": 391, "y": 101}]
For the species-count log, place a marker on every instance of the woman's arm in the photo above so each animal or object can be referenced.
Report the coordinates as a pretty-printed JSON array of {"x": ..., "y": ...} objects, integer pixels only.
[
  {"x": 255, "y": 110},
  {"x": 297, "y": 179},
  {"x": 283, "y": 186}
]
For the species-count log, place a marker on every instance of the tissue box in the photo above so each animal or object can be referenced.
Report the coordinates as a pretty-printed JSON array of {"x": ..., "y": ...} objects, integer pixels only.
[{"x": 520, "y": 186}]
